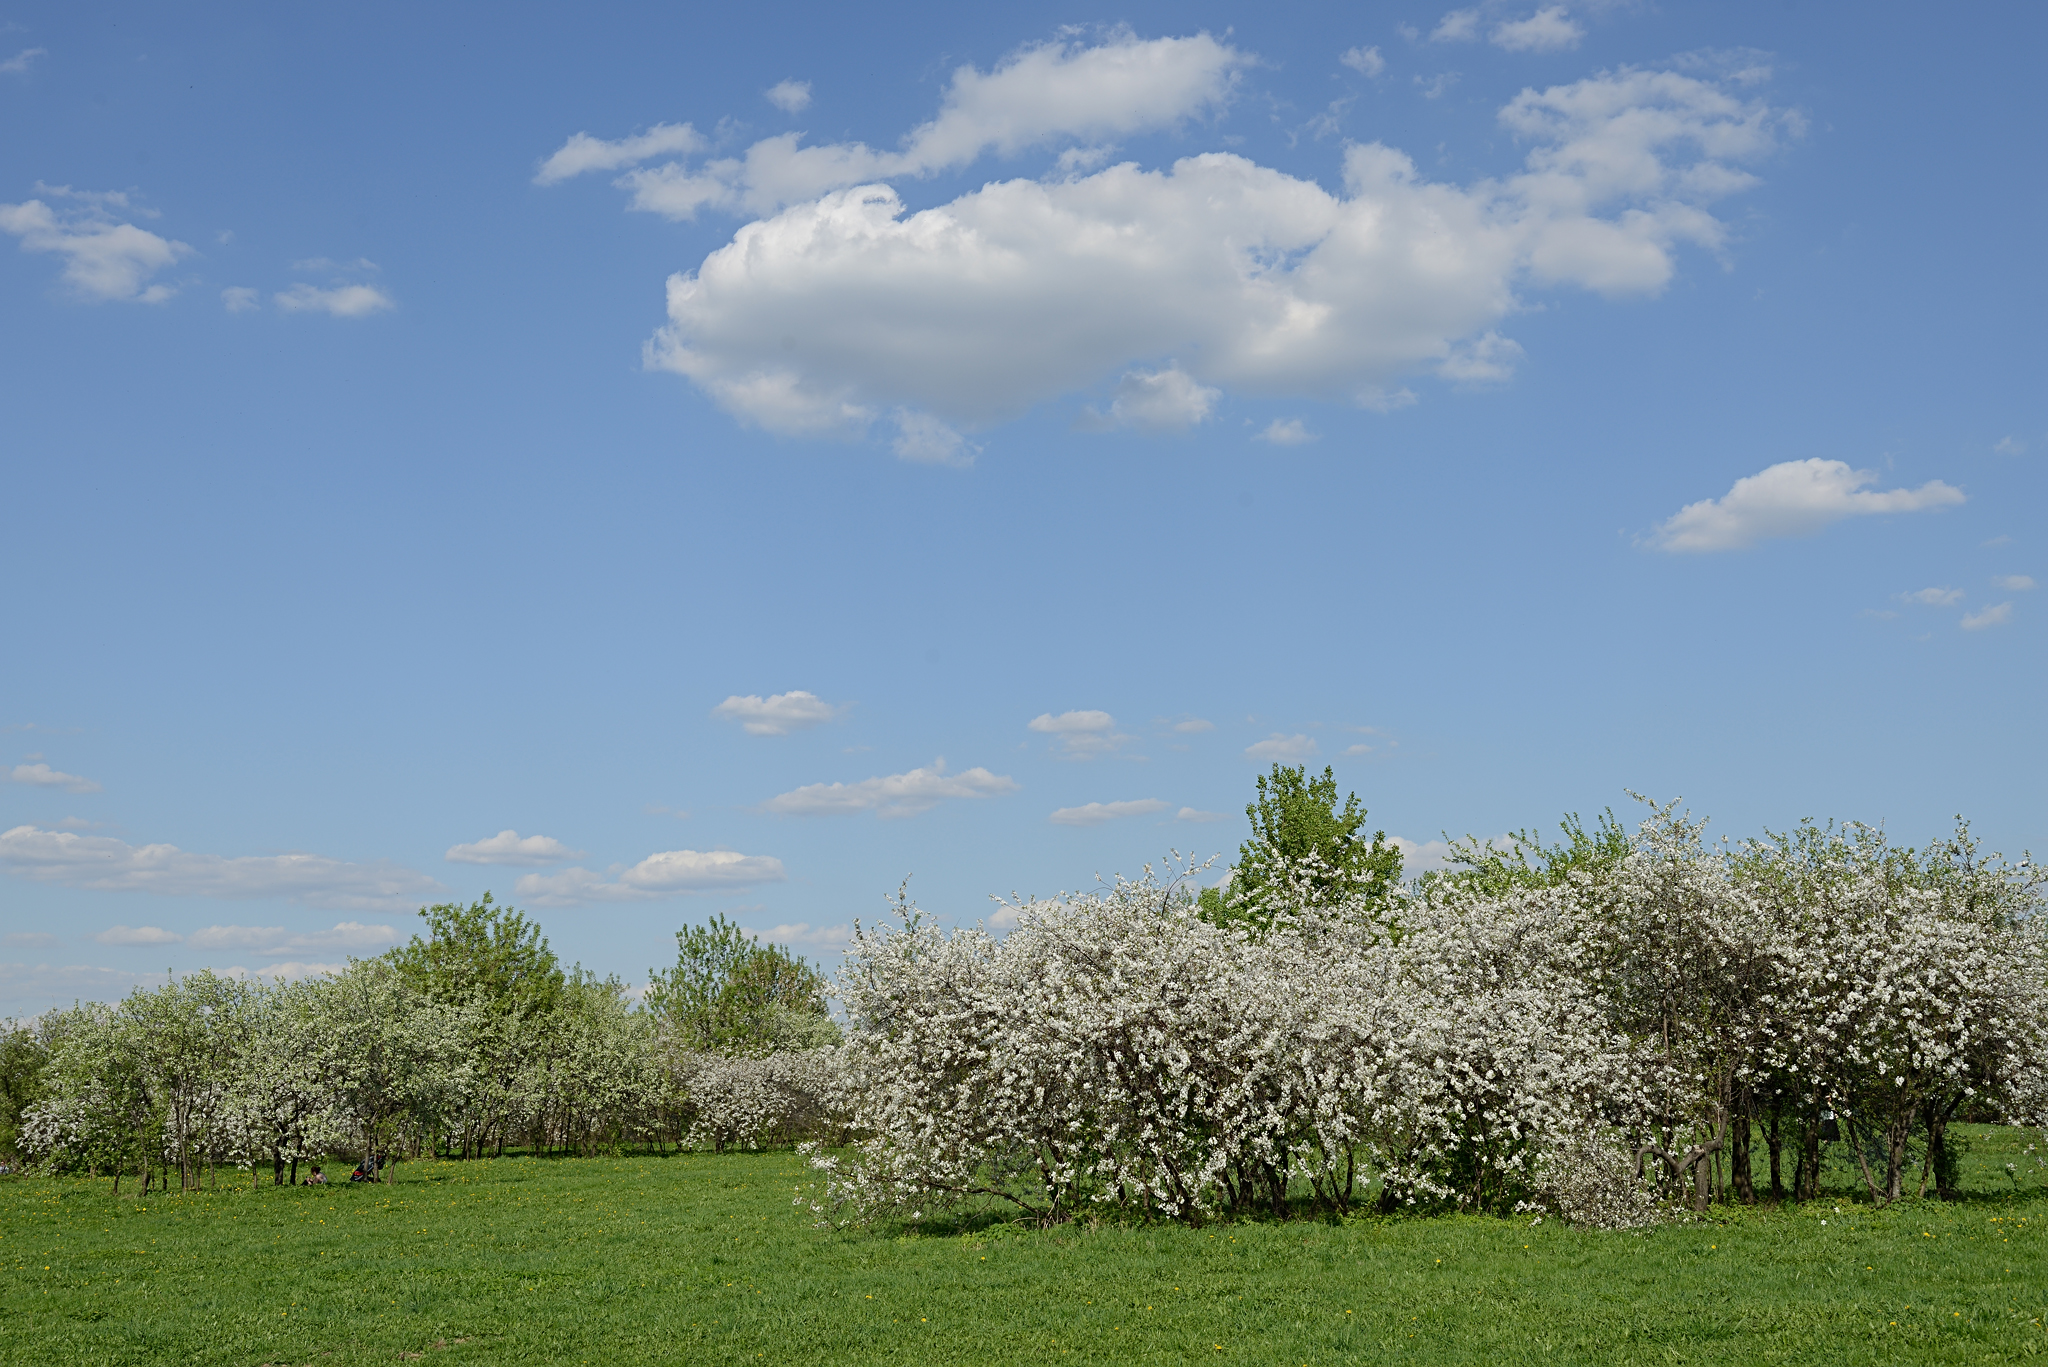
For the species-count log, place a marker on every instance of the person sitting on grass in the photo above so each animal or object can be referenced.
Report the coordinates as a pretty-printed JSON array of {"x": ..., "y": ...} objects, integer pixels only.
[{"x": 318, "y": 1179}]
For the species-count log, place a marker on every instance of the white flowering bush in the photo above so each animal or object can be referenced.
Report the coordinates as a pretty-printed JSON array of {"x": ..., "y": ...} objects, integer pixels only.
[{"x": 1598, "y": 1034}]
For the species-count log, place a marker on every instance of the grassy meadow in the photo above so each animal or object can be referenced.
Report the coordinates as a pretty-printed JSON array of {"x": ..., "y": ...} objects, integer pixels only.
[{"x": 699, "y": 1258}]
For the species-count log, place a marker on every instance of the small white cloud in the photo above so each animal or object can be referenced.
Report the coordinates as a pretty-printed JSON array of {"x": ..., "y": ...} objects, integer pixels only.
[
  {"x": 804, "y": 933},
  {"x": 1458, "y": 26},
  {"x": 104, "y": 259},
  {"x": 670, "y": 873},
  {"x": 1353, "y": 751},
  {"x": 789, "y": 96},
  {"x": 362, "y": 265},
  {"x": 32, "y": 939},
  {"x": 2014, "y": 583},
  {"x": 1279, "y": 747},
  {"x": 1437, "y": 86},
  {"x": 2010, "y": 446},
  {"x": 1366, "y": 61},
  {"x": 1484, "y": 359},
  {"x": 777, "y": 715},
  {"x": 43, "y": 776},
  {"x": 1286, "y": 432},
  {"x": 1995, "y": 616},
  {"x": 1096, "y": 813},
  {"x": 509, "y": 848},
  {"x": 1082, "y": 735},
  {"x": 138, "y": 935},
  {"x": 342, "y": 301},
  {"x": 1792, "y": 498},
  {"x": 1421, "y": 857},
  {"x": 1168, "y": 400},
  {"x": 1547, "y": 30},
  {"x": 924, "y": 440},
  {"x": 239, "y": 299},
  {"x": 891, "y": 795},
  {"x": 1193, "y": 725},
  {"x": 1933, "y": 597},
  {"x": 22, "y": 60},
  {"x": 1195, "y": 815},
  {"x": 584, "y": 153}
]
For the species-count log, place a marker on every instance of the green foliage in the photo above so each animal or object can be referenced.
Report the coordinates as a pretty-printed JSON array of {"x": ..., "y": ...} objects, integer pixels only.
[
  {"x": 1527, "y": 862},
  {"x": 704, "y": 1259},
  {"x": 1303, "y": 844},
  {"x": 730, "y": 993},
  {"x": 482, "y": 954},
  {"x": 24, "y": 1056}
]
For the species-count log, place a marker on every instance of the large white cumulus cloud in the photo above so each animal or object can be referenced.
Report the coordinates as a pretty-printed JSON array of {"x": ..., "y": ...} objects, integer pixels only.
[{"x": 841, "y": 305}]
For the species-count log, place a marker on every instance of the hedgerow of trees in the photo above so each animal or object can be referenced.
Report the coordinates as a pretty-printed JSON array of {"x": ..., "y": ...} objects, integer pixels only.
[{"x": 1608, "y": 1027}]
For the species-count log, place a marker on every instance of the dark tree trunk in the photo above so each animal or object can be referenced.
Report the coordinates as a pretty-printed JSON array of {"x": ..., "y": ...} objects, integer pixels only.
[
  {"x": 1777, "y": 1150},
  {"x": 1938, "y": 1161},
  {"x": 1738, "y": 1150},
  {"x": 1806, "y": 1181}
]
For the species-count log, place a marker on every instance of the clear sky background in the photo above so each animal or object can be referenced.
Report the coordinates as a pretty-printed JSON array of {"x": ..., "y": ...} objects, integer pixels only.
[{"x": 421, "y": 425}]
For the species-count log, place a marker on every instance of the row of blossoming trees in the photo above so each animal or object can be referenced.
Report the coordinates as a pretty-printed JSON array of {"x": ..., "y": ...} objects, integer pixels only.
[
  {"x": 467, "y": 1040},
  {"x": 1600, "y": 1028}
]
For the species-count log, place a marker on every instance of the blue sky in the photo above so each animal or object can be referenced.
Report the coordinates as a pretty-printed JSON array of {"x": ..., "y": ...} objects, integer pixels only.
[{"x": 752, "y": 456}]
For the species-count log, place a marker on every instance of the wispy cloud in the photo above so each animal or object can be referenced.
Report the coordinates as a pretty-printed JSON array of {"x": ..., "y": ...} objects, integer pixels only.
[
  {"x": 22, "y": 60},
  {"x": 891, "y": 795},
  {"x": 1994, "y": 616},
  {"x": 1096, "y": 813},
  {"x": 104, "y": 257},
  {"x": 43, "y": 776},
  {"x": 1277, "y": 747},
  {"x": 509, "y": 848},
  {"x": 340, "y": 301},
  {"x": 2013, "y": 583},
  {"x": 276, "y": 941},
  {"x": 1081, "y": 735},
  {"x": 1933, "y": 597},
  {"x": 779, "y": 714},
  {"x": 1792, "y": 498},
  {"x": 584, "y": 153},
  {"x": 670, "y": 873},
  {"x": 138, "y": 935},
  {"x": 106, "y": 864},
  {"x": 1195, "y": 815},
  {"x": 1286, "y": 432},
  {"x": 1366, "y": 61},
  {"x": 791, "y": 97},
  {"x": 1547, "y": 30}
]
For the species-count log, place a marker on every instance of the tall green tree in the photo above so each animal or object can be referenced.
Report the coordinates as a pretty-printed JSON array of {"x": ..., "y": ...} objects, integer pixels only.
[
  {"x": 24, "y": 1058},
  {"x": 1303, "y": 842},
  {"x": 729, "y": 992},
  {"x": 484, "y": 955}
]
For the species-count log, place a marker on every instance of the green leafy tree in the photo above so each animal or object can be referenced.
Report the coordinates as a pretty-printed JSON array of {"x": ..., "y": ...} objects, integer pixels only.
[
  {"x": 1524, "y": 861},
  {"x": 484, "y": 955},
  {"x": 1303, "y": 844},
  {"x": 24, "y": 1058},
  {"x": 729, "y": 992}
]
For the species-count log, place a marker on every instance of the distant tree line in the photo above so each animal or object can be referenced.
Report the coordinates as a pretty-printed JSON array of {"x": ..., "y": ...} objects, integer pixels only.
[{"x": 468, "y": 1039}]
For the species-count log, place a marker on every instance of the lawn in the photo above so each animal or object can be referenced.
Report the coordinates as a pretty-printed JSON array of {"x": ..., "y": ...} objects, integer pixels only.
[{"x": 697, "y": 1258}]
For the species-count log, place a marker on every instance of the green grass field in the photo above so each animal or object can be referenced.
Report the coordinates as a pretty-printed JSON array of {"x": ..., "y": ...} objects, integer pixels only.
[{"x": 698, "y": 1258}]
